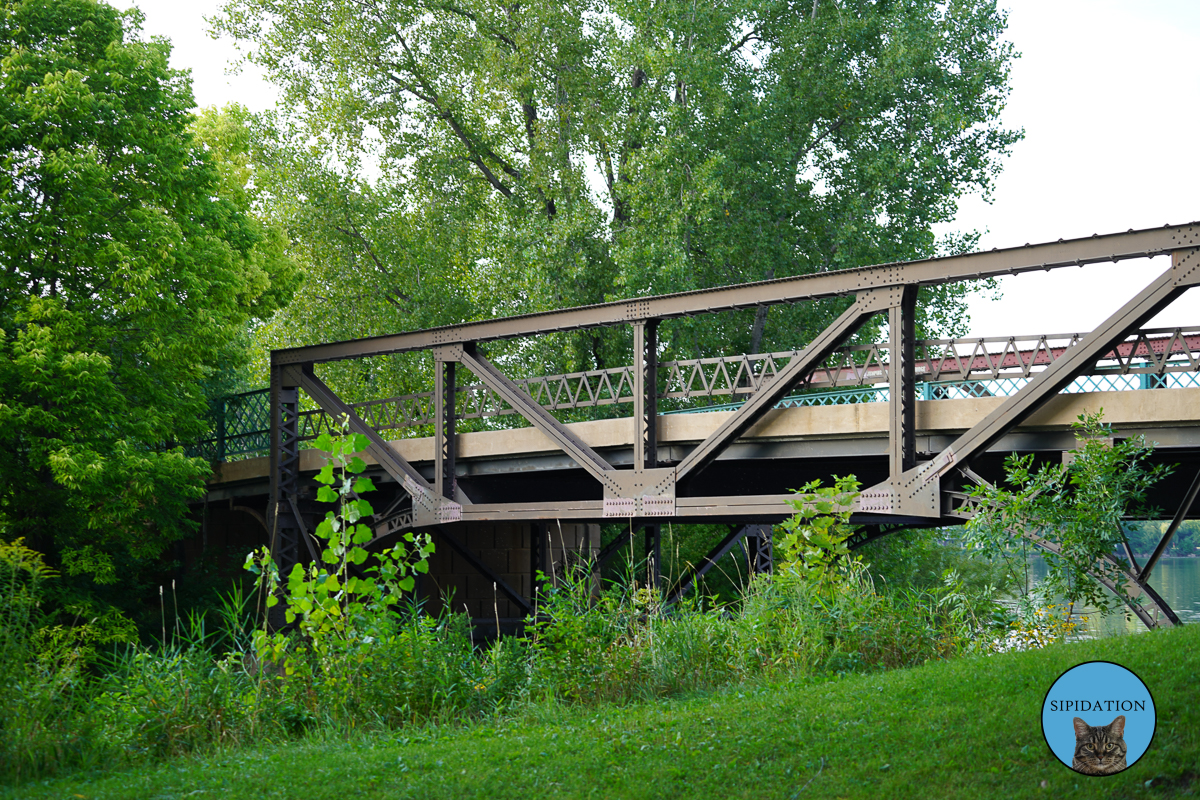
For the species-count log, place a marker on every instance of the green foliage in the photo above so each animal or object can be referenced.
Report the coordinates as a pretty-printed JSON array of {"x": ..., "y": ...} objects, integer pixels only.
[
  {"x": 1077, "y": 508},
  {"x": 813, "y": 543},
  {"x": 342, "y": 602},
  {"x": 682, "y": 547},
  {"x": 402, "y": 667},
  {"x": 622, "y": 645},
  {"x": 1145, "y": 536},
  {"x": 44, "y": 666},
  {"x": 965, "y": 729},
  {"x": 920, "y": 558},
  {"x": 127, "y": 277},
  {"x": 461, "y": 161},
  {"x": 938, "y": 561}
]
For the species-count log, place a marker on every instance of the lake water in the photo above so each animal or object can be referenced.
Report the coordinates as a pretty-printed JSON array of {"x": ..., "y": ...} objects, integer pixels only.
[{"x": 1177, "y": 580}]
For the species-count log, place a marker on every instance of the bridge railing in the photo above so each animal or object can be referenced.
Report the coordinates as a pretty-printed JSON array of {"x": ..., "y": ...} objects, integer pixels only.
[
  {"x": 955, "y": 390},
  {"x": 944, "y": 369},
  {"x": 240, "y": 425}
]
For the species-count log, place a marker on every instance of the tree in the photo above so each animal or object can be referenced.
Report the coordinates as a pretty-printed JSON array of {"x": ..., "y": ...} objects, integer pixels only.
[
  {"x": 472, "y": 159},
  {"x": 129, "y": 269}
]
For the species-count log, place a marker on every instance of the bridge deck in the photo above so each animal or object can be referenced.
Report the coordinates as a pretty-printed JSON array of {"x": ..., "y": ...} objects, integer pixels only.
[{"x": 790, "y": 443}]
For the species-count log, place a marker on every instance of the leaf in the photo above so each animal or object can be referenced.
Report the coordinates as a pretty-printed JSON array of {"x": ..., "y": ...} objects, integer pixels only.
[
  {"x": 356, "y": 465},
  {"x": 362, "y": 485},
  {"x": 325, "y": 475},
  {"x": 324, "y": 442},
  {"x": 327, "y": 495}
]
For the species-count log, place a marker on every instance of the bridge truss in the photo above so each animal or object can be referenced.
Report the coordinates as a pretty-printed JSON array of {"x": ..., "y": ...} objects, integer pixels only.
[{"x": 919, "y": 490}]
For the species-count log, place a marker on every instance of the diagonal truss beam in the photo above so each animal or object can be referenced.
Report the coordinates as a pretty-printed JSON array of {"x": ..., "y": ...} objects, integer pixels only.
[
  {"x": 308, "y": 540},
  {"x": 613, "y": 547},
  {"x": 1010, "y": 261},
  {"x": 1172, "y": 529},
  {"x": 1184, "y": 273},
  {"x": 709, "y": 561},
  {"x": 866, "y": 304},
  {"x": 425, "y": 500},
  {"x": 540, "y": 418},
  {"x": 484, "y": 570},
  {"x": 1130, "y": 598}
]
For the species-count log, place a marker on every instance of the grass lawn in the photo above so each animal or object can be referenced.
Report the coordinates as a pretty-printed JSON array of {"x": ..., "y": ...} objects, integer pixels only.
[{"x": 967, "y": 728}]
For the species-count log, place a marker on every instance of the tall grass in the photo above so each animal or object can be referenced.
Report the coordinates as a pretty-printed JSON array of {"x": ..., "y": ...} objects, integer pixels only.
[
  {"x": 206, "y": 688},
  {"x": 628, "y": 646},
  {"x": 43, "y": 682}
]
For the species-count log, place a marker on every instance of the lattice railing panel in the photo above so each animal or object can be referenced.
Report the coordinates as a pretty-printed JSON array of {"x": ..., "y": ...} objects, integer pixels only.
[{"x": 945, "y": 368}]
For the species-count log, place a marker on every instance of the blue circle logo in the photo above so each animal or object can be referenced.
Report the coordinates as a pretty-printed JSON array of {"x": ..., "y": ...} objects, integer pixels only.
[{"x": 1098, "y": 718}]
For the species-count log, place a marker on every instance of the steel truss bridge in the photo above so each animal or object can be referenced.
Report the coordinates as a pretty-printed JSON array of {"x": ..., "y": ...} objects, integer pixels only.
[{"x": 726, "y": 439}]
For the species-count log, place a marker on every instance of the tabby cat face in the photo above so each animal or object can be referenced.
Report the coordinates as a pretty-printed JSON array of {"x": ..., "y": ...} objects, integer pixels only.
[{"x": 1099, "y": 750}]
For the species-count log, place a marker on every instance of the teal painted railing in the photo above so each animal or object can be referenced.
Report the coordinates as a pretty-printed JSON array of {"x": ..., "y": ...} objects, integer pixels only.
[{"x": 241, "y": 423}]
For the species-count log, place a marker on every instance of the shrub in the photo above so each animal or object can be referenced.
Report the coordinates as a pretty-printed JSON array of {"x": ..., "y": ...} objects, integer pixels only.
[
  {"x": 44, "y": 670},
  {"x": 1075, "y": 508}
]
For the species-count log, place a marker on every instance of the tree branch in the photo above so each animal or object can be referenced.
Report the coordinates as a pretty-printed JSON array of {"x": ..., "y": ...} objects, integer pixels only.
[
  {"x": 355, "y": 234},
  {"x": 740, "y": 43},
  {"x": 462, "y": 12},
  {"x": 803, "y": 152},
  {"x": 621, "y": 210},
  {"x": 475, "y": 147},
  {"x": 529, "y": 111}
]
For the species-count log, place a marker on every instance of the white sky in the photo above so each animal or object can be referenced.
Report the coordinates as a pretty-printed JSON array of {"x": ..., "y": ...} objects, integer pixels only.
[{"x": 1106, "y": 91}]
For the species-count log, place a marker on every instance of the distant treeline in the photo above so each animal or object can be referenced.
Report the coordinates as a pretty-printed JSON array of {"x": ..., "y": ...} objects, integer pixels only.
[{"x": 1144, "y": 537}]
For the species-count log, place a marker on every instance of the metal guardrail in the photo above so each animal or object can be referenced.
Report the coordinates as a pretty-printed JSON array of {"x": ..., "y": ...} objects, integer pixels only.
[
  {"x": 944, "y": 369},
  {"x": 953, "y": 390},
  {"x": 241, "y": 425}
]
